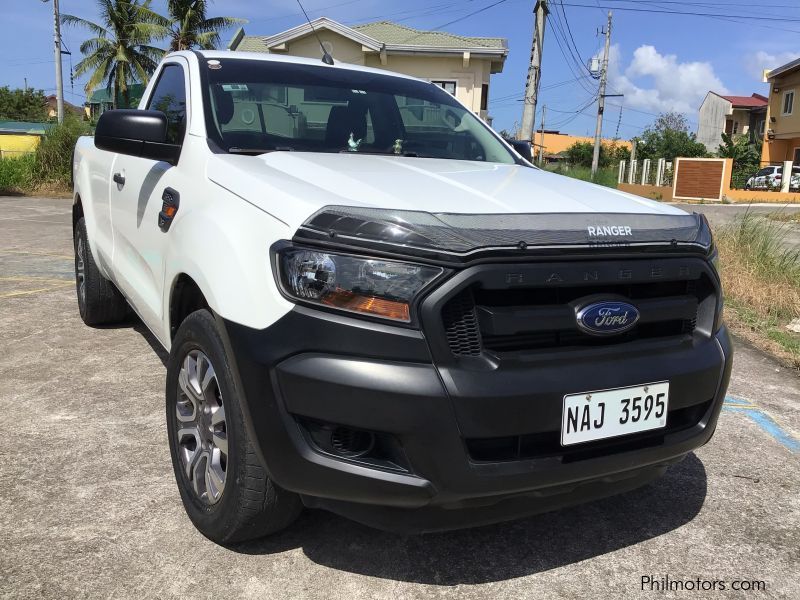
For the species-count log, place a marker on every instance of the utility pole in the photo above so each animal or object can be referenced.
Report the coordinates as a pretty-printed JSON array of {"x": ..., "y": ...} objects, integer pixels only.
[
  {"x": 534, "y": 73},
  {"x": 601, "y": 100},
  {"x": 541, "y": 136},
  {"x": 57, "y": 52}
]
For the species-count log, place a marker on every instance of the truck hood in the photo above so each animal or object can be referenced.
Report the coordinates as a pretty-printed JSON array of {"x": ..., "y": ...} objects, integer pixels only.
[{"x": 292, "y": 186}]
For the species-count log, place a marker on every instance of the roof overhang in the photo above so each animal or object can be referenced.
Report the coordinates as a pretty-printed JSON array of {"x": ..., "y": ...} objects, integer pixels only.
[
  {"x": 784, "y": 69},
  {"x": 320, "y": 24}
]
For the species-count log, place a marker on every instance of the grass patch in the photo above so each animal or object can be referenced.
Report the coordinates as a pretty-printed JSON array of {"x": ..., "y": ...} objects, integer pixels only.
[
  {"x": 606, "y": 177},
  {"x": 16, "y": 174},
  {"x": 761, "y": 278},
  {"x": 784, "y": 217},
  {"x": 49, "y": 168}
]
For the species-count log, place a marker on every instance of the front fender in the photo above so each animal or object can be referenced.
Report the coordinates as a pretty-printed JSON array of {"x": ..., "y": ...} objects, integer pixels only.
[{"x": 223, "y": 245}]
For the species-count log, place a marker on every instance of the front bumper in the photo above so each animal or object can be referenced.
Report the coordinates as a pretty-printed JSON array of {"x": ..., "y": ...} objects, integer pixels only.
[{"x": 368, "y": 376}]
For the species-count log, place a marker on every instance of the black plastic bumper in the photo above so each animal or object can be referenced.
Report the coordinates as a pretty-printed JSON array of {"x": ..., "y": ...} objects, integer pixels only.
[{"x": 330, "y": 368}]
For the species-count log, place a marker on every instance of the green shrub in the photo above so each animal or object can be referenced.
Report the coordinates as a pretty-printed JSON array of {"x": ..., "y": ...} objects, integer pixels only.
[
  {"x": 53, "y": 160},
  {"x": 16, "y": 174}
]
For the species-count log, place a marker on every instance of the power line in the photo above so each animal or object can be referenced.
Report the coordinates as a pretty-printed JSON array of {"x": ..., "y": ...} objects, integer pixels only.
[{"x": 689, "y": 13}]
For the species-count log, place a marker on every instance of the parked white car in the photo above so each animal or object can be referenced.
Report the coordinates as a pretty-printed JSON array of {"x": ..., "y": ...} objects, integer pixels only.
[
  {"x": 769, "y": 178},
  {"x": 373, "y": 305}
]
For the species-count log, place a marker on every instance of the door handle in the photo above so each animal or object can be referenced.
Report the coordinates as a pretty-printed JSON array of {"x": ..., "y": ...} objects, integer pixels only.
[{"x": 119, "y": 178}]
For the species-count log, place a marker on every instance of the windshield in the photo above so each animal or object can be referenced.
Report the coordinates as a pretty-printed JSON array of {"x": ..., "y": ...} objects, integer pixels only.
[{"x": 255, "y": 106}]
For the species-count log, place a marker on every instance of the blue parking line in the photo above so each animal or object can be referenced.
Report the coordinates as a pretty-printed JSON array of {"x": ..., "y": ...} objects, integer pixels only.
[{"x": 763, "y": 420}]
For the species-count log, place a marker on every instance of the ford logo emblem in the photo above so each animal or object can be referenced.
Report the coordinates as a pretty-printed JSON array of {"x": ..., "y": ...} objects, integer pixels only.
[{"x": 607, "y": 318}]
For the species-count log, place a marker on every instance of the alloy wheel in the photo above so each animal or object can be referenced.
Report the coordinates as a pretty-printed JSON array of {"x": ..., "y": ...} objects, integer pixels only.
[
  {"x": 80, "y": 270},
  {"x": 200, "y": 427}
]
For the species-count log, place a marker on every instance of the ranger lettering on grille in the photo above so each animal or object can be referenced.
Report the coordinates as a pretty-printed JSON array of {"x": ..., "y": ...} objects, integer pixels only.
[{"x": 609, "y": 230}]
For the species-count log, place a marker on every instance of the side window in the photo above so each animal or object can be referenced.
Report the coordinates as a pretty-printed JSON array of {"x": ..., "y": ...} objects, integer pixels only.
[
  {"x": 447, "y": 86},
  {"x": 169, "y": 96},
  {"x": 788, "y": 102}
]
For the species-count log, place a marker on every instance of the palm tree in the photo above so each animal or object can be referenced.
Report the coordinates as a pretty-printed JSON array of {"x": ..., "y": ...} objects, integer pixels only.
[
  {"x": 120, "y": 53},
  {"x": 190, "y": 28}
]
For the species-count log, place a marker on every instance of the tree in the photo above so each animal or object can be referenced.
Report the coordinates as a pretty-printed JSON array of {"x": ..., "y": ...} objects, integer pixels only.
[
  {"x": 22, "y": 105},
  {"x": 667, "y": 137},
  {"x": 580, "y": 154},
  {"x": 120, "y": 53},
  {"x": 746, "y": 156},
  {"x": 189, "y": 27}
]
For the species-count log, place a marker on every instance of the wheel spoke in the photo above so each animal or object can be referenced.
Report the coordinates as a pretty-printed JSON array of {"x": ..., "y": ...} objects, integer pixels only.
[
  {"x": 208, "y": 377},
  {"x": 190, "y": 449},
  {"x": 186, "y": 408},
  {"x": 199, "y": 474},
  {"x": 215, "y": 480},
  {"x": 218, "y": 416}
]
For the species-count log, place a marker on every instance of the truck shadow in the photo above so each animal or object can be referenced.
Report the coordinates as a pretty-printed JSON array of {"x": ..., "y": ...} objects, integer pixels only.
[{"x": 503, "y": 551}]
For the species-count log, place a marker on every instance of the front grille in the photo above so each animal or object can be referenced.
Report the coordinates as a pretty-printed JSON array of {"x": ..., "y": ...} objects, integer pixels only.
[
  {"x": 548, "y": 444},
  {"x": 480, "y": 319},
  {"x": 461, "y": 325}
]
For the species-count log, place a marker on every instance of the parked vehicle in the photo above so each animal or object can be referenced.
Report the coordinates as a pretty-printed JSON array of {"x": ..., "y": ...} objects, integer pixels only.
[
  {"x": 769, "y": 178},
  {"x": 374, "y": 305}
]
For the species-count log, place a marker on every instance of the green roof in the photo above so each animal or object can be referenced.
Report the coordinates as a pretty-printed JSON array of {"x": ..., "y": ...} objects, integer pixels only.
[
  {"x": 103, "y": 95},
  {"x": 392, "y": 33},
  {"x": 385, "y": 32},
  {"x": 22, "y": 127}
]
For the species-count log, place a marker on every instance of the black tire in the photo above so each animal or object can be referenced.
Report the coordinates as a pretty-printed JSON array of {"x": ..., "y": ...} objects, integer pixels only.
[
  {"x": 250, "y": 504},
  {"x": 99, "y": 301}
]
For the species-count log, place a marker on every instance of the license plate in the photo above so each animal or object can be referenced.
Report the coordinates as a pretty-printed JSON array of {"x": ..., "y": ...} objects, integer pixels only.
[{"x": 590, "y": 416}]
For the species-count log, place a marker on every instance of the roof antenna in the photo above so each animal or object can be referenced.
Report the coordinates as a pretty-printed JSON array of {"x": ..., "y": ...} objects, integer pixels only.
[{"x": 326, "y": 58}]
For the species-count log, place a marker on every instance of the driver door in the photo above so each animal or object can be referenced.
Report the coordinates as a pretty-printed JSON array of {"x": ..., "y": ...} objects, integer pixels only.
[{"x": 136, "y": 199}]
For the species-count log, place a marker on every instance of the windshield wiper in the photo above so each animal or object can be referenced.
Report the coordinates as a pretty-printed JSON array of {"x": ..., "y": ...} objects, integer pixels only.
[{"x": 257, "y": 151}]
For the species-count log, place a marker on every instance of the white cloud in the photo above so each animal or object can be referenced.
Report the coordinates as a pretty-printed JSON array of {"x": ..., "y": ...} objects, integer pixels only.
[
  {"x": 756, "y": 63},
  {"x": 659, "y": 82}
]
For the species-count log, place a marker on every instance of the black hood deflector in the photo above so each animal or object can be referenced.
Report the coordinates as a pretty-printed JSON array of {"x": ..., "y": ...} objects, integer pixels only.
[{"x": 459, "y": 237}]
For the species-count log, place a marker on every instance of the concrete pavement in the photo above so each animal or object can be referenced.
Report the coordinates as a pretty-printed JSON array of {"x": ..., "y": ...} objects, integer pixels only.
[{"x": 89, "y": 507}]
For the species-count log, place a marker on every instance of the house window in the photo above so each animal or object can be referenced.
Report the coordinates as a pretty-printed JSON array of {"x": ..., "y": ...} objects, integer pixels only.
[
  {"x": 735, "y": 127},
  {"x": 485, "y": 96},
  {"x": 761, "y": 127},
  {"x": 447, "y": 86},
  {"x": 728, "y": 126},
  {"x": 788, "y": 102}
]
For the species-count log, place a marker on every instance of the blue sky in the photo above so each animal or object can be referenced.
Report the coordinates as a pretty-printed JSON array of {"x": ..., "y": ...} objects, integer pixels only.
[{"x": 659, "y": 61}]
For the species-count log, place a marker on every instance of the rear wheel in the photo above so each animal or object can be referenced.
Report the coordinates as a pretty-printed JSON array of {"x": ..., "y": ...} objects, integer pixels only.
[
  {"x": 99, "y": 302},
  {"x": 224, "y": 488}
]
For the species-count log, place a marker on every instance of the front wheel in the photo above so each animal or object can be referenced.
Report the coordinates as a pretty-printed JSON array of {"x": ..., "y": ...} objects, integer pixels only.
[{"x": 224, "y": 488}]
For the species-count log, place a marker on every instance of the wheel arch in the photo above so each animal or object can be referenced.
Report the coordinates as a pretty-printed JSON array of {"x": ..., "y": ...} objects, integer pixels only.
[{"x": 186, "y": 296}]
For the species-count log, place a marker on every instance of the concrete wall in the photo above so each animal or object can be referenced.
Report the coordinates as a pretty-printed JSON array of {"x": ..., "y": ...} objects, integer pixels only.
[
  {"x": 713, "y": 113},
  {"x": 17, "y": 144},
  {"x": 653, "y": 192},
  {"x": 341, "y": 48}
]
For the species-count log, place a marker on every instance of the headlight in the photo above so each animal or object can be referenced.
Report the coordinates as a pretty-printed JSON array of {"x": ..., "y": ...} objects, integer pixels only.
[{"x": 374, "y": 287}]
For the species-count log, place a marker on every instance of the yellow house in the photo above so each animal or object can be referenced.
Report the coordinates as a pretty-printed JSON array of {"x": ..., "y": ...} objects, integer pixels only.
[
  {"x": 556, "y": 142},
  {"x": 461, "y": 65},
  {"x": 782, "y": 138},
  {"x": 18, "y": 137}
]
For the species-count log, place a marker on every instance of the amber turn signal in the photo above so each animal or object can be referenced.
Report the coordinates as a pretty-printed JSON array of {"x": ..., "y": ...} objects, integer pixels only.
[{"x": 368, "y": 305}]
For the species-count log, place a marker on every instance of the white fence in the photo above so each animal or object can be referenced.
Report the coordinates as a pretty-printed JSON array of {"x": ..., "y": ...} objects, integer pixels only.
[{"x": 645, "y": 172}]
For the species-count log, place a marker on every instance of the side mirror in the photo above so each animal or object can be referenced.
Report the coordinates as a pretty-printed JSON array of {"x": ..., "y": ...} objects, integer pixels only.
[
  {"x": 523, "y": 148},
  {"x": 134, "y": 132}
]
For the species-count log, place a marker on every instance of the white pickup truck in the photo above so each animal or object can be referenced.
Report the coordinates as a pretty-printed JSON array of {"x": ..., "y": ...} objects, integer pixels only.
[{"x": 374, "y": 305}]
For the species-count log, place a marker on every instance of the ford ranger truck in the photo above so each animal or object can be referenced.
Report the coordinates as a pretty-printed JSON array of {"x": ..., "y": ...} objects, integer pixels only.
[{"x": 376, "y": 306}]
